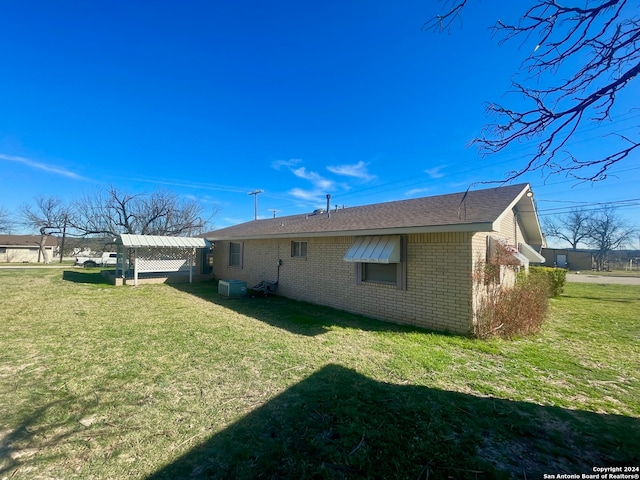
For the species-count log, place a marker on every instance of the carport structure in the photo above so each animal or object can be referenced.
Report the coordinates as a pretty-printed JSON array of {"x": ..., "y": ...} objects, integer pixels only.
[{"x": 150, "y": 255}]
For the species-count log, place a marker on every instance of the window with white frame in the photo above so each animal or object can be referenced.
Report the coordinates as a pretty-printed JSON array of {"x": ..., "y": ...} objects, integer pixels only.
[{"x": 299, "y": 249}]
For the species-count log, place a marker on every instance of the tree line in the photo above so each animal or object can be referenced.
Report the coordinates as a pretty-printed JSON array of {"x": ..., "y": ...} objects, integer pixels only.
[{"x": 109, "y": 212}]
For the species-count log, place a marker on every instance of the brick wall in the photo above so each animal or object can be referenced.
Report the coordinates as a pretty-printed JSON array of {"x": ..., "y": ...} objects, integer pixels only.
[{"x": 438, "y": 292}]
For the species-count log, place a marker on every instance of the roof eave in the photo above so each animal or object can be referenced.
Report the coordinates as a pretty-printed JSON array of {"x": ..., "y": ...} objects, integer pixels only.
[
  {"x": 469, "y": 227},
  {"x": 528, "y": 218}
]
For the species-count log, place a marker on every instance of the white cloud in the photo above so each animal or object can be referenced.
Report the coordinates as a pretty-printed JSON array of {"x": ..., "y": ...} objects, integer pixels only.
[
  {"x": 358, "y": 170},
  {"x": 285, "y": 163},
  {"x": 42, "y": 166},
  {"x": 416, "y": 191},
  {"x": 307, "y": 195},
  {"x": 435, "y": 172},
  {"x": 318, "y": 181}
]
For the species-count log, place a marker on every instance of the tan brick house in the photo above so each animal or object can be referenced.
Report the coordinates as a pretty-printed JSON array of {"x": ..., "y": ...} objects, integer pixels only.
[
  {"x": 25, "y": 248},
  {"x": 408, "y": 261}
]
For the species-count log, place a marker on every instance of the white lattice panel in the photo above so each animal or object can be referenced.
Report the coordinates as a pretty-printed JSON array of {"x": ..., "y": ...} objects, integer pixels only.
[
  {"x": 162, "y": 265},
  {"x": 163, "y": 259}
]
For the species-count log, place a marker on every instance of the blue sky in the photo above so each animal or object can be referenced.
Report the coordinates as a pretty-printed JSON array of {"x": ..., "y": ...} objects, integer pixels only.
[{"x": 214, "y": 99}]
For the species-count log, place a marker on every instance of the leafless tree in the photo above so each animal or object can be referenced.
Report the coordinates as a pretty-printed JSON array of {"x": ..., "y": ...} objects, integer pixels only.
[
  {"x": 575, "y": 227},
  {"x": 48, "y": 217},
  {"x": 582, "y": 55},
  {"x": 112, "y": 212},
  {"x": 6, "y": 223},
  {"x": 608, "y": 232}
]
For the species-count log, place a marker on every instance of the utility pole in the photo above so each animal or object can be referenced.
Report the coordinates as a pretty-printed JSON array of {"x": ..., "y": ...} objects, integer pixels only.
[{"x": 255, "y": 194}]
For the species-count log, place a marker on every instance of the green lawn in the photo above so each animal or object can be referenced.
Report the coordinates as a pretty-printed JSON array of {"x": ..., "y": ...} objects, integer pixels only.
[{"x": 177, "y": 382}]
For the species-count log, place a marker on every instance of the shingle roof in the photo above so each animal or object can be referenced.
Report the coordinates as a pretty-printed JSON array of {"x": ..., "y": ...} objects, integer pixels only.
[
  {"x": 478, "y": 212},
  {"x": 26, "y": 241}
]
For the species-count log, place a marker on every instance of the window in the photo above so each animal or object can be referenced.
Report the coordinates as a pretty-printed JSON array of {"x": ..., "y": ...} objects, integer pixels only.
[
  {"x": 3, "y": 249},
  {"x": 393, "y": 271},
  {"x": 299, "y": 249},
  {"x": 380, "y": 272},
  {"x": 235, "y": 254}
]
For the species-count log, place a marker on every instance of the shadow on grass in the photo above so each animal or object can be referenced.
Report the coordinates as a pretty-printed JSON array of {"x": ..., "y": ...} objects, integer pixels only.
[
  {"x": 34, "y": 440},
  {"x": 602, "y": 299},
  {"x": 295, "y": 316},
  {"x": 340, "y": 424},
  {"x": 84, "y": 277}
]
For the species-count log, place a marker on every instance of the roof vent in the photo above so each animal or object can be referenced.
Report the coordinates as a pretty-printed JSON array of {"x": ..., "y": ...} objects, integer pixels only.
[{"x": 318, "y": 211}]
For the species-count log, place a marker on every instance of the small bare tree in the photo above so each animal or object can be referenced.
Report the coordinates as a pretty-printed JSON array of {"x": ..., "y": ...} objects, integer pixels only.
[
  {"x": 574, "y": 227},
  {"x": 608, "y": 232},
  {"x": 48, "y": 217},
  {"x": 6, "y": 223},
  {"x": 582, "y": 55}
]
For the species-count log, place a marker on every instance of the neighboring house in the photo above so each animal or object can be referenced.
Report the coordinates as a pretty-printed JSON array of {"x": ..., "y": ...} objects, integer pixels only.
[
  {"x": 568, "y": 258},
  {"x": 25, "y": 248},
  {"x": 409, "y": 261}
]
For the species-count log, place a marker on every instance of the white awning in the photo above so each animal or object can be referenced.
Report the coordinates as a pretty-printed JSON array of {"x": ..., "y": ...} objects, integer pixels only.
[
  {"x": 133, "y": 241},
  {"x": 524, "y": 261},
  {"x": 530, "y": 253},
  {"x": 375, "y": 249}
]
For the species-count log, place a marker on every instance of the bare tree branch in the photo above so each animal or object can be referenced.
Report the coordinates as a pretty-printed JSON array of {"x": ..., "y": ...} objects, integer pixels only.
[
  {"x": 608, "y": 232},
  {"x": 583, "y": 57},
  {"x": 6, "y": 223},
  {"x": 112, "y": 212},
  {"x": 574, "y": 228}
]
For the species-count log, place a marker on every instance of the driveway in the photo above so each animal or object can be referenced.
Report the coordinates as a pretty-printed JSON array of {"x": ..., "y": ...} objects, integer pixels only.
[{"x": 595, "y": 278}]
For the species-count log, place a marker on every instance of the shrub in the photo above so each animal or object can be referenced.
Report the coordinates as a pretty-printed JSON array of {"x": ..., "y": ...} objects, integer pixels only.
[
  {"x": 556, "y": 278},
  {"x": 516, "y": 311}
]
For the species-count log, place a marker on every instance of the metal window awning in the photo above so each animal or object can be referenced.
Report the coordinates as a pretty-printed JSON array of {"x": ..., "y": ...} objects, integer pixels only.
[
  {"x": 530, "y": 253},
  {"x": 524, "y": 261},
  {"x": 375, "y": 249}
]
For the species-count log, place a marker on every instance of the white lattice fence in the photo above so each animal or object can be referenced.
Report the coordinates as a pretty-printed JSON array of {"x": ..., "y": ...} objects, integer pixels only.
[{"x": 164, "y": 259}]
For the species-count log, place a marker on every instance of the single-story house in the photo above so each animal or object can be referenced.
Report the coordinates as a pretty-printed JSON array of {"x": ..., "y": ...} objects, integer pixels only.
[
  {"x": 408, "y": 262},
  {"x": 25, "y": 248},
  {"x": 568, "y": 258}
]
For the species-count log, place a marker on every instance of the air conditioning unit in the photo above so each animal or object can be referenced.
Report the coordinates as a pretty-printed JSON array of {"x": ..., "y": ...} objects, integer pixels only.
[{"x": 232, "y": 288}]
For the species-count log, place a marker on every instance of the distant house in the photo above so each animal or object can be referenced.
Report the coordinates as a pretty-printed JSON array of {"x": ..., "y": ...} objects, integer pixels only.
[
  {"x": 409, "y": 261},
  {"x": 25, "y": 248},
  {"x": 568, "y": 258}
]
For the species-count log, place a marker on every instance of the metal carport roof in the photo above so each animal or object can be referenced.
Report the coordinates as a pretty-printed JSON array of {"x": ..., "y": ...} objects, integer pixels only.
[{"x": 134, "y": 241}]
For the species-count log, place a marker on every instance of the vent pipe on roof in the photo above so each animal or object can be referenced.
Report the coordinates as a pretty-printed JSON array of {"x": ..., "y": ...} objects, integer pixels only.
[{"x": 328, "y": 205}]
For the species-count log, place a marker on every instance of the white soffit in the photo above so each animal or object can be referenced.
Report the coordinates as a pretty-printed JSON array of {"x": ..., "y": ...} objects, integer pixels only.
[
  {"x": 132, "y": 241},
  {"x": 375, "y": 249},
  {"x": 530, "y": 253}
]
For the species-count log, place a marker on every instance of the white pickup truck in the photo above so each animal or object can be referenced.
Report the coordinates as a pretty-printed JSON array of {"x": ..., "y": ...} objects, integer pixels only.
[{"x": 107, "y": 258}]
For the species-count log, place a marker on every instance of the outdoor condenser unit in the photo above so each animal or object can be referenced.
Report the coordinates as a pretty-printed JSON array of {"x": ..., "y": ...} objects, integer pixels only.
[{"x": 232, "y": 288}]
